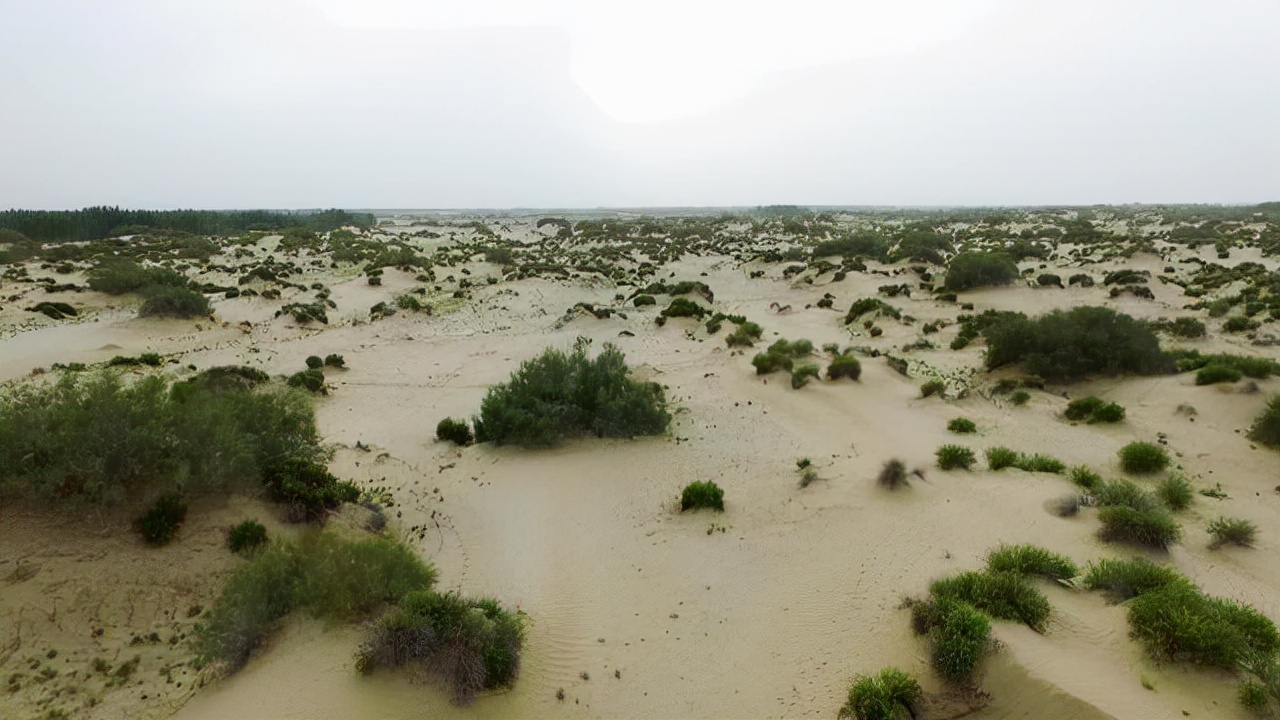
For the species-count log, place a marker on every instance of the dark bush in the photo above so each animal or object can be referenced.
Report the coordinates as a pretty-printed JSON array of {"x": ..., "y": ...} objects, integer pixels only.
[
  {"x": 557, "y": 395},
  {"x": 888, "y": 695},
  {"x": 1153, "y": 528},
  {"x": 334, "y": 360},
  {"x": 999, "y": 458},
  {"x": 702, "y": 494},
  {"x": 454, "y": 431},
  {"x": 311, "y": 379},
  {"x": 643, "y": 300},
  {"x": 307, "y": 488},
  {"x": 745, "y": 335},
  {"x": 1143, "y": 457},
  {"x": 1107, "y": 413},
  {"x": 1073, "y": 344},
  {"x": 246, "y": 536},
  {"x": 1082, "y": 408},
  {"x": 869, "y": 305},
  {"x": 933, "y": 387},
  {"x": 161, "y": 521},
  {"x": 954, "y": 456},
  {"x": 1019, "y": 397},
  {"x": 170, "y": 301},
  {"x": 1211, "y": 374},
  {"x": 844, "y": 366},
  {"x": 980, "y": 269},
  {"x": 962, "y": 426},
  {"x": 1266, "y": 427},
  {"x": 684, "y": 307},
  {"x": 1175, "y": 492}
]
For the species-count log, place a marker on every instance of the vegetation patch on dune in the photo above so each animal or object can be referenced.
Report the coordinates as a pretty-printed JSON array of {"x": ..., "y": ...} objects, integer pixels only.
[
  {"x": 890, "y": 694},
  {"x": 1074, "y": 344}
]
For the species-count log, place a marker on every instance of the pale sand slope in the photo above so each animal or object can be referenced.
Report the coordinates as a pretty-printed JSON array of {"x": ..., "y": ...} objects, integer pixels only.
[{"x": 771, "y": 617}]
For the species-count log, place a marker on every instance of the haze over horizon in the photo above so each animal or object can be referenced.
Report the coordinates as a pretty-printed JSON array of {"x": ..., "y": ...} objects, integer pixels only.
[{"x": 545, "y": 103}]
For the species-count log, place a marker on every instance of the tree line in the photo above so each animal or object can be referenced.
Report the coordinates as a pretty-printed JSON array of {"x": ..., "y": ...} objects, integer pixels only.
[{"x": 100, "y": 222}]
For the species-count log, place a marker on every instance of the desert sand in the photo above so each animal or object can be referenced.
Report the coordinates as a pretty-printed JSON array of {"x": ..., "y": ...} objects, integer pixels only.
[{"x": 637, "y": 610}]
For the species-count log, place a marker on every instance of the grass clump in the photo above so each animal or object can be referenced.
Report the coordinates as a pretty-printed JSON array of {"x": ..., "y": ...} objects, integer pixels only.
[
  {"x": 933, "y": 387},
  {"x": 1140, "y": 458},
  {"x": 1213, "y": 373},
  {"x": 999, "y": 458},
  {"x": 311, "y": 379},
  {"x": 557, "y": 395},
  {"x": 1178, "y": 622},
  {"x": 170, "y": 301},
  {"x": 454, "y": 431},
  {"x": 1094, "y": 410},
  {"x": 246, "y": 536},
  {"x": 890, "y": 694},
  {"x": 702, "y": 494},
  {"x": 1175, "y": 492},
  {"x": 1154, "y": 528},
  {"x": 962, "y": 426},
  {"x": 1073, "y": 344},
  {"x": 469, "y": 644},
  {"x": 800, "y": 376},
  {"x": 1031, "y": 560},
  {"x": 844, "y": 365},
  {"x": 745, "y": 335},
  {"x": 333, "y": 578},
  {"x": 1266, "y": 427},
  {"x": 1085, "y": 479},
  {"x": 781, "y": 355},
  {"x": 1124, "y": 579},
  {"x": 160, "y": 522},
  {"x": 959, "y": 635},
  {"x": 951, "y": 457},
  {"x": 1002, "y": 595},
  {"x": 893, "y": 474},
  {"x": 1019, "y": 397},
  {"x": 307, "y": 489},
  {"x": 980, "y": 269},
  {"x": 1232, "y": 531}
]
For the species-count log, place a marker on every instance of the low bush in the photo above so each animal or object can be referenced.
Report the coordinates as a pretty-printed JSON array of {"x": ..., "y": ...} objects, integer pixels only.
[
  {"x": 768, "y": 362},
  {"x": 888, "y": 695},
  {"x": 1073, "y": 344},
  {"x": 644, "y": 300},
  {"x": 800, "y": 376},
  {"x": 315, "y": 362},
  {"x": 160, "y": 522},
  {"x": 1266, "y": 427},
  {"x": 702, "y": 494},
  {"x": 933, "y": 387},
  {"x": 469, "y": 644},
  {"x": 1142, "y": 458},
  {"x": 1085, "y": 478},
  {"x": 978, "y": 269},
  {"x": 959, "y": 635},
  {"x": 311, "y": 379},
  {"x": 870, "y": 305},
  {"x": 1213, "y": 373},
  {"x": 951, "y": 457},
  {"x": 684, "y": 307},
  {"x": 454, "y": 431},
  {"x": 1019, "y": 397},
  {"x": 246, "y": 536},
  {"x": 1031, "y": 560},
  {"x": 1082, "y": 408},
  {"x": 558, "y": 395},
  {"x": 1002, "y": 595},
  {"x": 1152, "y": 528},
  {"x": 1178, "y": 622},
  {"x": 1175, "y": 492},
  {"x": 1124, "y": 579},
  {"x": 1107, "y": 413},
  {"x": 893, "y": 474},
  {"x": 334, "y": 360},
  {"x": 170, "y": 301},
  {"x": 745, "y": 335},
  {"x": 1232, "y": 531},
  {"x": 844, "y": 366},
  {"x": 962, "y": 426},
  {"x": 999, "y": 458},
  {"x": 308, "y": 489}
]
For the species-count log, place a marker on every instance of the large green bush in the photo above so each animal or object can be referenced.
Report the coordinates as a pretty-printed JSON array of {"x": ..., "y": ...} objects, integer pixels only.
[
  {"x": 1073, "y": 344},
  {"x": 558, "y": 395},
  {"x": 979, "y": 269}
]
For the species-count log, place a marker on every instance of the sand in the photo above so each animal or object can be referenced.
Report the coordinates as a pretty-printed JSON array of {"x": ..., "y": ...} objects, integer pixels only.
[{"x": 766, "y": 610}]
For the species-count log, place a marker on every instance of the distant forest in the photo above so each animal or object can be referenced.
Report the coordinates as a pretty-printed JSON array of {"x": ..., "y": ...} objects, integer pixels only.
[{"x": 102, "y": 222}]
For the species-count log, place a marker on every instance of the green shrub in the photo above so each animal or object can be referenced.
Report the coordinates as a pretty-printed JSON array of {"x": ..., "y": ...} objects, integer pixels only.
[
  {"x": 307, "y": 488},
  {"x": 557, "y": 395},
  {"x": 170, "y": 301},
  {"x": 116, "y": 277},
  {"x": 1019, "y": 397},
  {"x": 1153, "y": 528},
  {"x": 1175, "y": 492},
  {"x": 770, "y": 362},
  {"x": 1254, "y": 367},
  {"x": 1031, "y": 560},
  {"x": 1124, "y": 579},
  {"x": 888, "y": 695},
  {"x": 1082, "y": 408},
  {"x": 999, "y": 458},
  {"x": 1124, "y": 492},
  {"x": 311, "y": 379},
  {"x": 800, "y": 376},
  {"x": 1107, "y": 413},
  {"x": 746, "y": 335},
  {"x": 1238, "y": 323},
  {"x": 469, "y": 644},
  {"x": 314, "y": 362},
  {"x": 1002, "y": 595},
  {"x": 334, "y": 360},
  {"x": 893, "y": 474},
  {"x": 1040, "y": 463},
  {"x": 978, "y": 269},
  {"x": 1143, "y": 457},
  {"x": 160, "y": 522},
  {"x": 1178, "y": 622},
  {"x": 844, "y": 366},
  {"x": 454, "y": 431},
  {"x": 959, "y": 636},
  {"x": 1266, "y": 427},
  {"x": 962, "y": 426},
  {"x": 702, "y": 494},
  {"x": 1232, "y": 531},
  {"x": 1261, "y": 688},
  {"x": 684, "y": 307},
  {"x": 1076, "y": 343},
  {"x": 954, "y": 456},
  {"x": 248, "y": 535},
  {"x": 643, "y": 300},
  {"x": 1213, "y": 373},
  {"x": 933, "y": 387},
  {"x": 1085, "y": 478}
]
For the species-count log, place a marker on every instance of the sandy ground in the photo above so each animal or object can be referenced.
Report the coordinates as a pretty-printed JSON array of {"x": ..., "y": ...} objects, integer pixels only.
[{"x": 766, "y": 610}]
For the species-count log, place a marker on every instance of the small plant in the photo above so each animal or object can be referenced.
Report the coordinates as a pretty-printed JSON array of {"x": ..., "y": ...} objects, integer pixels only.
[
  {"x": 844, "y": 366},
  {"x": 312, "y": 379},
  {"x": 1213, "y": 373},
  {"x": 888, "y": 695},
  {"x": 1177, "y": 621},
  {"x": 1153, "y": 528},
  {"x": 1002, "y": 595},
  {"x": 804, "y": 468},
  {"x": 893, "y": 474},
  {"x": 334, "y": 360},
  {"x": 160, "y": 523},
  {"x": 700, "y": 494},
  {"x": 1107, "y": 413},
  {"x": 1175, "y": 492},
  {"x": 1019, "y": 397},
  {"x": 1232, "y": 531},
  {"x": 951, "y": 457},
  {"x": 246, "y": 536},
  {"x": 1085, "y": 478},
  {"x": 1094, "y": 410},
  {"x": 454, "y": 431},
  {"x": 1031, "y": 560},
  {"x": 800, "y": 376},
  {"x": 1266, "y": 427},
  {"x": 933, "y": 387},
  {"x": 1124, "y": 579},
  {"x": 999, "y": 458},
  {"x": 962, "y": 426},
  {"x": 315, "y": 362},
  {"x": 1143, "y": 458}
]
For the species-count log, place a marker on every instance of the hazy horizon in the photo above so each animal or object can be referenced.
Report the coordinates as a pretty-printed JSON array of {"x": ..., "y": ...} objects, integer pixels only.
[{"x": 548, "y": 104}]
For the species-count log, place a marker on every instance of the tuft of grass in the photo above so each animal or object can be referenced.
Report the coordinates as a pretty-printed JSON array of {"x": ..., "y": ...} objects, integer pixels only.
[
  {"x": 962, "y": 426},
  {"x": 1142, "y": 458},
  {"x": 454, "y": 431},
  {"x": 1031, "y": 560},
  {"x": 959, "y": 635},
  {"x": 1175, "y": 492},
  {"x": 1266, "y": 427},
  {"x": 1085, "y": 478},
  {"x": 951, "y": 457},
  {"x": 160, "y": 522},
  {"x": 1125, "y": 493},
  {"x": 933, "y": 387},
  {"x": 1214, "y": 373},
  {"x": 1178, "y": 622},
  {"x": 893, "y": 474},
  {"x": 1232, "y": 531},
  {"x": 1082, "y": 408},
  {"x": 1107, "y": 413},
  {"x": 1002, "y": 595},
  {"x": 702, "y": 494},
  {"x": 1150, "y": 527},
  {"x": 1129, "y": 578},
  {"x": 1019, "y": 397},
  {"x": 999, "y": 458},
  {"x": 890, "y": 694},
  {"x": 247, "y": 536}
]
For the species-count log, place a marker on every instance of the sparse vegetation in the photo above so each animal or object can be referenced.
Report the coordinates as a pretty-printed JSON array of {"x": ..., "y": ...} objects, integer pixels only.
[
  {"x": 454, "y": 431},
  {"x": 1232, "y": 531},
  {"x": 962, "y": 426},
  {"x": 1031, "y": 560},
  {"x": 160, "y": 522},
  {"x": 888, "y": 695},
  {"x": 844, "y": 365},
  {"x": 1175, "y": 492}
]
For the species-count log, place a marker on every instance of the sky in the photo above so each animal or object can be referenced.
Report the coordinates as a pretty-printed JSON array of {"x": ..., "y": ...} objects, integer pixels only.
[{"x": 620, "y": 103}]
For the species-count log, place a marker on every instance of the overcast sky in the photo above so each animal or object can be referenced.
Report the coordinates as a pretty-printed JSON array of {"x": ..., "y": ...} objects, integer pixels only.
[{"x": 389, "y": 104}]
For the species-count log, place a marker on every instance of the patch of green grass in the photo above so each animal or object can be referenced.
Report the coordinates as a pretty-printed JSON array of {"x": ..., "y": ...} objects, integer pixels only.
[
  {"x": 890, "y": 694},
  {"x": 1031, "y": 560},
  {"x": 951, "y": 457},
  {"x": 1085, "y": 478},
  {"x": 801, "y": 375},
  {"x": 702, "y": 494},
  {"x": 454, "y": 431},
  {"x": 307, "y": 488},
  {"x": 959, "y": 635},
  {"x": 1129, "y": 578},
  {"x": 962, "y": 426},
  {"x": 1178, "y": 622},
  {"x": 246, "y": 536},
  {"x": 933, "y": 387},
  {"x": 1266, "y": 427},
  {"x": 1002, "y": 595},
  {"x": 1175, "y": 492},
  {"x": 160, "y": 522},
  {"x": 1150, "y": 527},
  {"x": 1143, "y": 458},
  {"x": 1232, "y": 531},
  {"x": 1214, "y": 373},
  {"x": 999, "y": 458}
]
